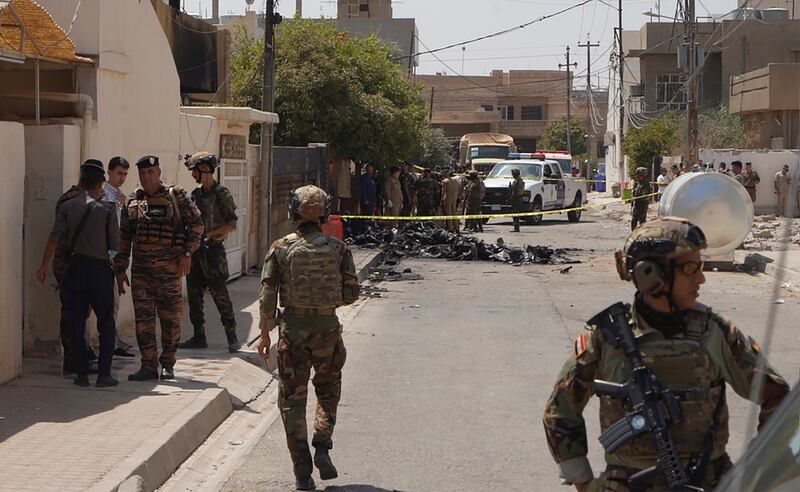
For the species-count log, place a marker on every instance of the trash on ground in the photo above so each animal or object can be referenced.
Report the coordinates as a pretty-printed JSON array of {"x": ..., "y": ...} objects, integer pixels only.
[
  {"x": 780, "y": 301},
  {"x": 427, "y": 240},
  {"x": 565, "y": 270}
]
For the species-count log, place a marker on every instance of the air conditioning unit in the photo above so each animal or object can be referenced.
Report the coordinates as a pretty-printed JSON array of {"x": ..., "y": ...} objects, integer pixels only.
[{"x": 637, "y": 90}]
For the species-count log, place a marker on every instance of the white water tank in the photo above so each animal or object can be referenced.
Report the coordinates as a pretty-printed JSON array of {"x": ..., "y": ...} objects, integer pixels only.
[{"x": 718, "y": 204}]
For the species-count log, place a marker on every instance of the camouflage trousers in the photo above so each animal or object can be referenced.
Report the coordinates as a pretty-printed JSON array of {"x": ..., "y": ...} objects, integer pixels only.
[
  {"x": 474, "y": 224},
  {"x": 516, "y": 207},
  {"x": 156, "y": 289},
  {"x": 305, "y": 342},
  {"x": 638, "y": 216},
  {"x": 615, "y": 478},
  {"x": 210, "y": 271}
]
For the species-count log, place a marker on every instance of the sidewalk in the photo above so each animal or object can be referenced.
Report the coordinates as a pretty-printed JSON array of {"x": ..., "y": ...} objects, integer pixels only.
[{"x": 56, "y": 436}]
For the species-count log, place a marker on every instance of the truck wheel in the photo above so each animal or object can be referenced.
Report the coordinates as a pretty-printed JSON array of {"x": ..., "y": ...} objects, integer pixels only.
[
  {"x": 536, "y": 207},
  {"x": 575, "y": 215}
]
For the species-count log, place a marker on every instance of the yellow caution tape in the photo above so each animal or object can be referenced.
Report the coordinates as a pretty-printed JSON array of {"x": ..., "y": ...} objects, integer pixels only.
[{"x": 483, "y": 216}]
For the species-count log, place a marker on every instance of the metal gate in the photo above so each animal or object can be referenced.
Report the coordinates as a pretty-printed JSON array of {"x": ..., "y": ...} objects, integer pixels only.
[{"x": 234, "y": 176}]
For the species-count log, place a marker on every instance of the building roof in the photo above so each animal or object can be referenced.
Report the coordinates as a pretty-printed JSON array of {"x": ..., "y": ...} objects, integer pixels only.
[
  {"x": 232, "y": 113},
  {"x": 27, "y": 30}
]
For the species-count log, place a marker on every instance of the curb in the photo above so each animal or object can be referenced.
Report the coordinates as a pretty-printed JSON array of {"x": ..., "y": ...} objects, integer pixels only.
[
  {"x": 153, "y": 463},
  {"x": 363, "y": 271},
  {"x": 767, "y": 266}
]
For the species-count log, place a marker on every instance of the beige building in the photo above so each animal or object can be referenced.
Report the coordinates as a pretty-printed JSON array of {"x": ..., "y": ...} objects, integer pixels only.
[
  {"x": 769, "y": 100},
  {"x": 120, "y": 96},
  {"x": 519, "y": 103},
  {"x": 364, "y": 9}
]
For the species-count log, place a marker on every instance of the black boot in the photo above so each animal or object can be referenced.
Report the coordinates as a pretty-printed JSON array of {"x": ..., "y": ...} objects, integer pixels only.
[
  {"x": 105, "y": 382},
  {"x": 143, "y": 374},
  {"x": 322, "y": 460},
  {"x": 167, "y": 372},
  {"x": 81, "y": 380},
  {"x": 305, "y": 483},
  {"x": 196, "y": 342},
  {"x": 233, "y": 343}
]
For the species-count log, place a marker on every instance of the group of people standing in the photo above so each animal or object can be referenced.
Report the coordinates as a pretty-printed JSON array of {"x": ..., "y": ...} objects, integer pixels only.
[
  {"x": 405, "y": 192},
  {"x": 163, "y": 234}
]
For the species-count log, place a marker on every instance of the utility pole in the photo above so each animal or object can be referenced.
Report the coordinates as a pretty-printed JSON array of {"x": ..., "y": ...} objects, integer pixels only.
[
  {"x": 693, "y": 140},
  {"x": 430, "y": 110},
  {"x": 569, "y": 100},
  {"x": 621, "y": 60},
  {"x": 589, "y": 126},
  {"x": 271, "y": 19}
]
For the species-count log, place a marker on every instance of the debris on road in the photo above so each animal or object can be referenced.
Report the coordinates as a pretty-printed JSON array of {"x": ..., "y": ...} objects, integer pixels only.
[
  {"x": 427, "y": 240},
  {"x": 564, "y": 270}
]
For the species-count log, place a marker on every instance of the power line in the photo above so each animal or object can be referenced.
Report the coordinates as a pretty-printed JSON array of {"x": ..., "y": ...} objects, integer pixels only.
[{"x": 495, "y": 34}]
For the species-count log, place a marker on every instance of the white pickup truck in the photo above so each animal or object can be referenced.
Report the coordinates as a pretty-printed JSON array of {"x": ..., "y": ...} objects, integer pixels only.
[{"x": 546, "y": 188}]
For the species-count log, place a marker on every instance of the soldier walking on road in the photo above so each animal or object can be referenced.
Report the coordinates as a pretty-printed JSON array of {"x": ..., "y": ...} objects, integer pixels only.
[
  {"x": 639, "y": 206},
  {"x": 474, "y": 193},
  {"x": 313, "y": 274},
  {"x": 782, "y": 181},
  {"x": 516, "y": 192},
  {"x": 163, "y": 227},
  {"x": 209, "y": 262},
  {"x": 692, "y": 352},
  {"x": 750, "y": 180}
]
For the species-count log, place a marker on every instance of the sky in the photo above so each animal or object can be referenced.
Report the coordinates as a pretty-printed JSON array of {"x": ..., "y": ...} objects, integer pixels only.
[{"x": 541, "y": 46}]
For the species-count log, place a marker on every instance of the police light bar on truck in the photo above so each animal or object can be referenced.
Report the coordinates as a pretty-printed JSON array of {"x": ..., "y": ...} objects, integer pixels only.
[{"x": 526, "y": 155}]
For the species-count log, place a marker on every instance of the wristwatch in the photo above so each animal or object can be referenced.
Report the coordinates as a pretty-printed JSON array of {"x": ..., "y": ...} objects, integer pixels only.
[{"x": 187, "y": 254}]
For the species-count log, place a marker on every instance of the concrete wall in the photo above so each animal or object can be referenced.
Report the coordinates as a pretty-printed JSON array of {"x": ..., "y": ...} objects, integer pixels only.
[
  {"x": 12, "y": 180},
  {"x": 45, "y": 180},
  {"x": 766, "y": 163}
]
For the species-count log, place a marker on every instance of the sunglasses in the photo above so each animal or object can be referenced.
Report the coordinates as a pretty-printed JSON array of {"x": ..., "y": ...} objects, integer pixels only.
[{"x": 690, "y": 267}]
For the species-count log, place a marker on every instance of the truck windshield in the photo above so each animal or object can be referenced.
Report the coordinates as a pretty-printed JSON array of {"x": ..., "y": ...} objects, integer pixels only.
[
  {"x": 488, "y": 152},
  {"x": 527, "y": 171}
]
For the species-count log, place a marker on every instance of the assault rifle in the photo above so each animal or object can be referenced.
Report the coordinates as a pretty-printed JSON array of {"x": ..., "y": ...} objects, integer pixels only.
[{"x": 653, "y": 408}]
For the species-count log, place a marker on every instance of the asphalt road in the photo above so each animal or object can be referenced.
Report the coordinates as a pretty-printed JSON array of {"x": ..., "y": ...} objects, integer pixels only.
[{"x": 447, "y": 377}]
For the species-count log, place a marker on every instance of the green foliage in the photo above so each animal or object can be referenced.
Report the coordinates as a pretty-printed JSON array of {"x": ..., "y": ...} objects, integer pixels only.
[
  {"x": 719, "y": 129},
  {"x": 434, "y": 149},
  {"x": 247, "y": 73},
  {"x": 555, "y": 137},
  {"x": 657, "y": 138}
]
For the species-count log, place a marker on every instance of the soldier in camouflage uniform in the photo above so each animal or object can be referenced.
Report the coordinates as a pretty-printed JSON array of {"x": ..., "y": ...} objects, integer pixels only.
[
  {"x": 692, "y": 351},
  {"x": 209, "y": 262},
  {"x": 425, "y": 188},
  {"x": 516, "y": 192},
  {"x": 314, "y": 274},
  {"x": 474, "y": 193},
  {"x": 639, "y": 206},
  {"x": 750, "y": 180},
  {"x": 164, "y": 228}
]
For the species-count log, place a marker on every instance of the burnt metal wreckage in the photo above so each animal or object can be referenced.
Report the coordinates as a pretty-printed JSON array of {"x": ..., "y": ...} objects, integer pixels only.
[{"x": 428, "y": 240}]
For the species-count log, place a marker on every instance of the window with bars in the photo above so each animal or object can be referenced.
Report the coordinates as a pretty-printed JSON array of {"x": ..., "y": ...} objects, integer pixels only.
[
  {"x": 669, "y": 92},
  {"x": 531, "y": 112}
]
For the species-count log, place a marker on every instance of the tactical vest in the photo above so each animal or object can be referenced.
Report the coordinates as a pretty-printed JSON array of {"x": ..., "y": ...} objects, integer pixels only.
[
  {"x": 155, "y": 220},
  {"x": 680, "y": 363},
  {"x": 311, "y": 274}
]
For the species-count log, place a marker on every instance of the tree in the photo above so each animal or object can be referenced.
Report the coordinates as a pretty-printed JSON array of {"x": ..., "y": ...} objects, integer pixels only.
[
  {"x": 719, "y": 129},
  {"x": 434, "y": 149},
  {"x": 555, "y": 136},
  {"x": 655, "y": 139},
  {"x": 335, "y": 88}
]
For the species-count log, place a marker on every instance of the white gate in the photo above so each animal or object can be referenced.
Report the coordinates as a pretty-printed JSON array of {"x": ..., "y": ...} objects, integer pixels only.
[{"x": 234, "y": 177}]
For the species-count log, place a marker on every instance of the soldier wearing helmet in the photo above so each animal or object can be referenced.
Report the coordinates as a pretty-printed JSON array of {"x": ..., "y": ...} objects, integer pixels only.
[
  {"x": 693, "y": 351},
  {"x": 516, "y": 192},
  {"x": 311, "y": 274},
  {"x": 641, "y": 188},
  {"x": 210, "y": 262}
]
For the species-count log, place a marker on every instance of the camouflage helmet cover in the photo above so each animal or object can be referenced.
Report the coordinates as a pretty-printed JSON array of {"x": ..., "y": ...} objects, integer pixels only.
[
  {"x": 202, "y": 158},
  {"x": 660, "y": 240},
  {"x": 515, "y": 172},
  {"x": 641, "y": 171},
  {"x": 309, "y": 204}
]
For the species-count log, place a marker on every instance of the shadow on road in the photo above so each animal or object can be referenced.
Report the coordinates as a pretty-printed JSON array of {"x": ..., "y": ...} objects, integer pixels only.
[{"x": 357, "y": 488}]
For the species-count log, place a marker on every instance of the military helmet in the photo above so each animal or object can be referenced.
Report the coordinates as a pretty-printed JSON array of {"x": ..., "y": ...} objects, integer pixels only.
[
  {"x": 309, "y": 204},
  {"x": 202, "y": 158},
  {"x": 641, "y": 171},
  {"x": 515, "y": 172},
  {"x": 653, "y": 245},
  {"x": 472, "y": 175}
]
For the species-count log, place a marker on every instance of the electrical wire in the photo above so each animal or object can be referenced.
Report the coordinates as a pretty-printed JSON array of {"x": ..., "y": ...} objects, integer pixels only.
[{"x": 494, "y": 34}]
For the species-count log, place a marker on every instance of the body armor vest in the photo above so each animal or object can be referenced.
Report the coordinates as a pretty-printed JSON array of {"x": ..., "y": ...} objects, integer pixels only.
[
  {"x": 680, "y": 363},
  {"x": 311, "y": 272},
  {"x": 155, "y": 221}
]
